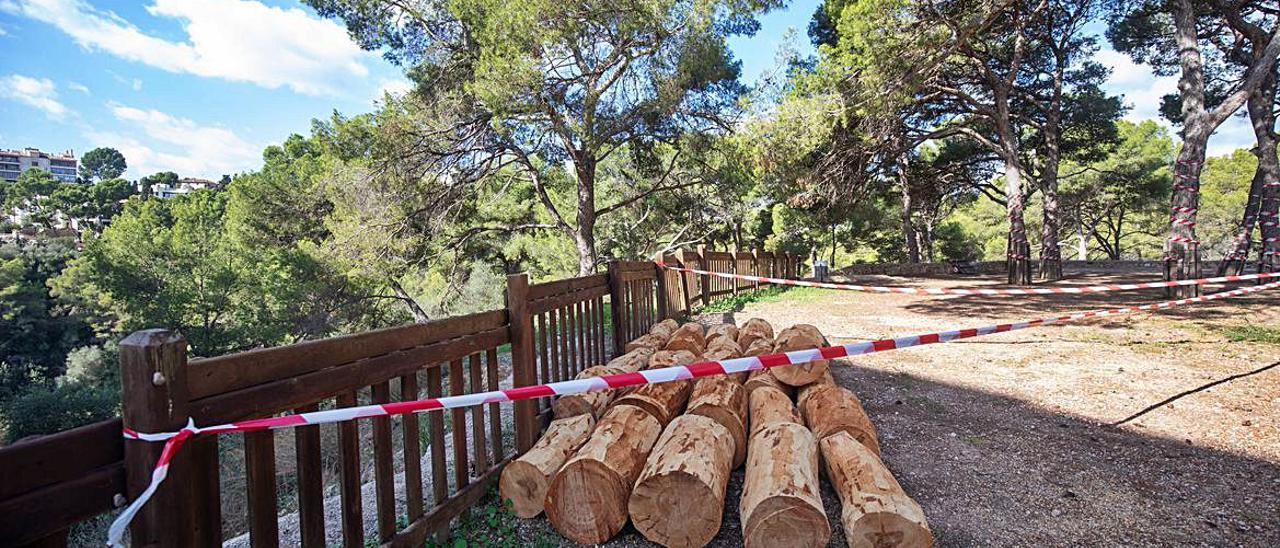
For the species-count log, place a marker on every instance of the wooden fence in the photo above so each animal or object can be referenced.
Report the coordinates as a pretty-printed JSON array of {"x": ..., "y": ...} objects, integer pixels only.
[{"x": 426, "y": 469}]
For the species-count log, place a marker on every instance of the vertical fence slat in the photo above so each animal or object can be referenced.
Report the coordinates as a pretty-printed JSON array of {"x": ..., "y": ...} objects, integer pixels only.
[
  {"x": 306, "y": 440},
  {"x": 553, "y": 347},
  {"x": 495, "y": 411},
  {"x": 383, "y": 467},
  {"x": 349, "y": 444},
  {"x": 477, "y": 418},
  {"x": 435, "y": 423},
  {"x": 461, "y": 475},
  {"x": 584, "y": 354},
  {"x": 411, "y": 432},
  {"x": 566, "y": 351},
  {"x": 543, "y": 349},
  {"x": 260, "y": 474}
]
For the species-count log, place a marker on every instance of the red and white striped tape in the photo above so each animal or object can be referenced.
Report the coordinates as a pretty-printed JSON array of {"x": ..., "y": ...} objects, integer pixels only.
[
  {"x": 174, "y": 440},
  {"x": 965, "y": 291}
]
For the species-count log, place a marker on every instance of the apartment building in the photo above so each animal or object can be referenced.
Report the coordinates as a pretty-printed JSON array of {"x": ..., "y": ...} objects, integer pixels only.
[{"x": 14, "y": 162}]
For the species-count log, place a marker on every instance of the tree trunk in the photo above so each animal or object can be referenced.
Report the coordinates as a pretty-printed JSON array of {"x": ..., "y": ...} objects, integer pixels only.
[
  {"x": 874, "y": 510},
  {"x": 1019, "y": 269},
  {"x": 904, "y": 193},
  {"x": 1264, "y": 124},
  {"x": 836, "y": 409},
  {"x": 411, "y": 304},
  {"x": 725, "y": 401},
  {"x": 586, "y": 403},
  {"x": 587, "y": 500},
  {"x": 768, "y": 406},
  {"x": 632, "y": 361},
  {"x": 525, "y": 480},
  {"x": 1234, "y": 261},
  {"x": 726, "y": 330},
  {"x": 584, "y": 238},
  {"x": 679, "y": 497},
  {"x": 781, "y": 501},
  {"x": 800, "y": 374}
]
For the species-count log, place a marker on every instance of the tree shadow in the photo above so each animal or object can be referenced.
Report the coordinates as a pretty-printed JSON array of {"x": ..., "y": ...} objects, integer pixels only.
[
  {"x": 990, "y": 470},
  {"x": 1036, "y": 306}
]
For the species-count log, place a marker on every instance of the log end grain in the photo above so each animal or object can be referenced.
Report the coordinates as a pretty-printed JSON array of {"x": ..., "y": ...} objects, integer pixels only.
[
  {"x": 524, "y": 481},
  {"x": 875, "y": 511},
  {"x": 679, "y": 498}
]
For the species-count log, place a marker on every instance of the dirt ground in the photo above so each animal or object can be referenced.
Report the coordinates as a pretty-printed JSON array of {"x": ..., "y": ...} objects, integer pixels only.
[{"x": 1151, "y": 429}]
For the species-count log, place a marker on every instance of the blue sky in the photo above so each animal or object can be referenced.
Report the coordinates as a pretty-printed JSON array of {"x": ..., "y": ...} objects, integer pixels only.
[{"x": 201, "y": 86}]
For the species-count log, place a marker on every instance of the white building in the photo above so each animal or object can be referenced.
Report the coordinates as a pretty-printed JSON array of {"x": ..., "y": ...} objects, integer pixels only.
[
  {"x": 185, "y": 185},
  {"x": 14, "y": 162}
]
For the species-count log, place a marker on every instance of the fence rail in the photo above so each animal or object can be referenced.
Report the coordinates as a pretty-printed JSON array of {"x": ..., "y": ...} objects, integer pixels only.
[{"x": 426, "y": 470}]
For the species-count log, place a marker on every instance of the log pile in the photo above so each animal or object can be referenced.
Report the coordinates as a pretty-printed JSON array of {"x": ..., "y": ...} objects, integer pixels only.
[{"x": 661, "y": 455}]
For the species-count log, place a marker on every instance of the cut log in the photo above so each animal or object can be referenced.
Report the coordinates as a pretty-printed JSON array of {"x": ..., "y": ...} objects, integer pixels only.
[
  {"x": 689, "y": 337},
  {"x": 875, "y": 511},
  {"x": 835, "y": 409},
  {"x": 633, "y": 361},
  {"x": 722, "y": 331},
  {"x": 586, "y": 403},
  {"x": 799, "y": 337},
  {"x": 665, "y": 328},
  {"x": 762, "y": 377},
  {"x": 755, "y": 329},
  {"x": 725, "y": 401},
  {"x": 525, "y": 480},
  {"x": 652, "y": 341},
  {"x": 666, "y": 358},
  {"x": 823, "y": 382},
  {"x": 781, "y": 504},
  {"x": 663, "y": 401},
  {"x": 759, "y": 347},
  {"x": 679, "y": 498},
  {"x": 769, "y": 406},
  {"x": 587, "y": 499}
]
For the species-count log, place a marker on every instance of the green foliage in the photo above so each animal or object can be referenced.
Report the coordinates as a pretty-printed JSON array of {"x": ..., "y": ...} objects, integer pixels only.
[
  {"x": 36, "y": 333},
  {"x": 1252, "y": 333},
  {"x": 101, "y": 164},
  {"x": 46, "y": 409}
]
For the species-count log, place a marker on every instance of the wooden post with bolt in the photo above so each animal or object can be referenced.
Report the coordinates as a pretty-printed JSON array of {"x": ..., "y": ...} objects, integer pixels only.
[{"x": 186, "y": 510}]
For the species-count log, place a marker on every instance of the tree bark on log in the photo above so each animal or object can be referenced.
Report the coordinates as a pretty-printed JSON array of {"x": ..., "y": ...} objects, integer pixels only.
[
  {"x": 587, "y": 500},
  {"x": 874, "y": 510},
  {"x": 689, "y": 338},
  {"x": 763, "y": 378},
  {"x": 653, "y": 341},
  {"x": 679, "y": 497},
  {"x": 525, "y": 480},
  {"x": 769, "y": 406},
  {"x": 663, "y": 401},
  {"x": 724, "y": 401},
  {"x": 725, "y": 330},
  {"x": 586, "y": 403},
  {"x": 665, "y": 328},
  {"x": 632, "y": 361},
  {"x": 781, "y": 503},
  {"x": 805, "y": 391},
  {"x": 799, "y": 337},
  {"x": 755, "y": 329},
  {"x": 835, "y": 409}
]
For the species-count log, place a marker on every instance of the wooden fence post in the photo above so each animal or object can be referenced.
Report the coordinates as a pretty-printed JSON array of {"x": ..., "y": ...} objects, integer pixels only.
[
  {"x": 733, "y": 267},
  {"x": 684, "y": 282},
  {"x": 704, "y": 281},
  {"x": 664, "y": 293},
  {"x": 520, "y": 324},
  {"x": 186, "y": 510},
  {"x": 618, "y": 307},
  {"x": 755, "y": 267}
]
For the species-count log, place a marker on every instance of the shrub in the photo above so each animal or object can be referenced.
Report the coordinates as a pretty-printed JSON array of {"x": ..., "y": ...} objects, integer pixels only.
[{"x": 44, "y": 409}]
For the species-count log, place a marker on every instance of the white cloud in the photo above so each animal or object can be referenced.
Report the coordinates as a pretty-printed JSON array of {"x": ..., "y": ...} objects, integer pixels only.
[
  {"x": 237, "y": 40},
  {"x": 175, "y": 144},
  {"x": 39, "y": 93},
  {"x": 136, "y": 84},
  {"x": 395, "y": 86},
  {"x": 77, "y": 86},
  {"x": 1143, "y": 91}
]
